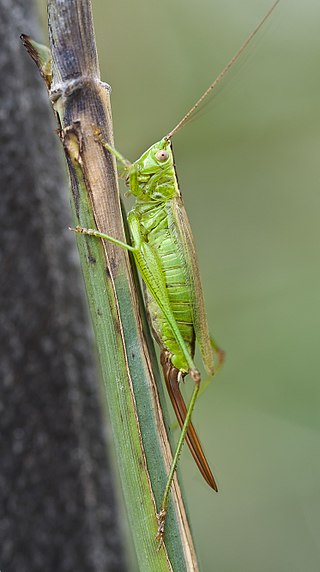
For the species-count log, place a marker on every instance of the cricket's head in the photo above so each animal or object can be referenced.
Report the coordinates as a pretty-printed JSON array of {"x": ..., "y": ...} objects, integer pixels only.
[
  {"x": 152, "y": 174},
  {"x": 157, "y": 158}
]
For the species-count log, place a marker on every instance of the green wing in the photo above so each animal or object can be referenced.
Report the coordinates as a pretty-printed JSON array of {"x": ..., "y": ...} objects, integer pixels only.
[{"x": 184, "y": 238}]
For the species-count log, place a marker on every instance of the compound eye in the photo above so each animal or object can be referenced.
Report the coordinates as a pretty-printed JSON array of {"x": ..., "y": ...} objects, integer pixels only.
[{"x": 162, "y": 155}]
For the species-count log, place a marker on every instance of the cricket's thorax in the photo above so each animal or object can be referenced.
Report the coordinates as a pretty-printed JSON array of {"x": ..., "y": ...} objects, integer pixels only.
[{"x": 160, "y": 232}]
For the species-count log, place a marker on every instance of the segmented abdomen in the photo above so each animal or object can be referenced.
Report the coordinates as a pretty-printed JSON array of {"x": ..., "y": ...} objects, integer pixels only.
[{"x": 158, "y": 222}]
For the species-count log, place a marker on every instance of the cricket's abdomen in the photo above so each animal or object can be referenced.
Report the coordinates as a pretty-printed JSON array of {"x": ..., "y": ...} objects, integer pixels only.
[{"x": 157, "y": 223}]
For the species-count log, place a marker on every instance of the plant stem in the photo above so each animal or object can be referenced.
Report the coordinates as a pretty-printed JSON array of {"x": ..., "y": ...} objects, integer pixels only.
[{"x": 128, "y": 365}]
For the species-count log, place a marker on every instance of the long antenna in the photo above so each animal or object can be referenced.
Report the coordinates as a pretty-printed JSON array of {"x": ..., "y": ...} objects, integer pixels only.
[{"x": 222, "y": 74}]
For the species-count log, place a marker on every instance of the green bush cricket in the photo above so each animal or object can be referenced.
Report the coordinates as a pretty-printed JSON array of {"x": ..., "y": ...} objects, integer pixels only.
[{"x": 163, "y": 250}]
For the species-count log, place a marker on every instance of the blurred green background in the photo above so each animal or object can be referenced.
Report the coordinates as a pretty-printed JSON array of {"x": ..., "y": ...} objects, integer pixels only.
[{"x": 248, "y": 168}]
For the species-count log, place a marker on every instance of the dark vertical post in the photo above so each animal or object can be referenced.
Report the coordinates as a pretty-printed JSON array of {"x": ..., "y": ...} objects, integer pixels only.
[{"x": 57, "y": 506}]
